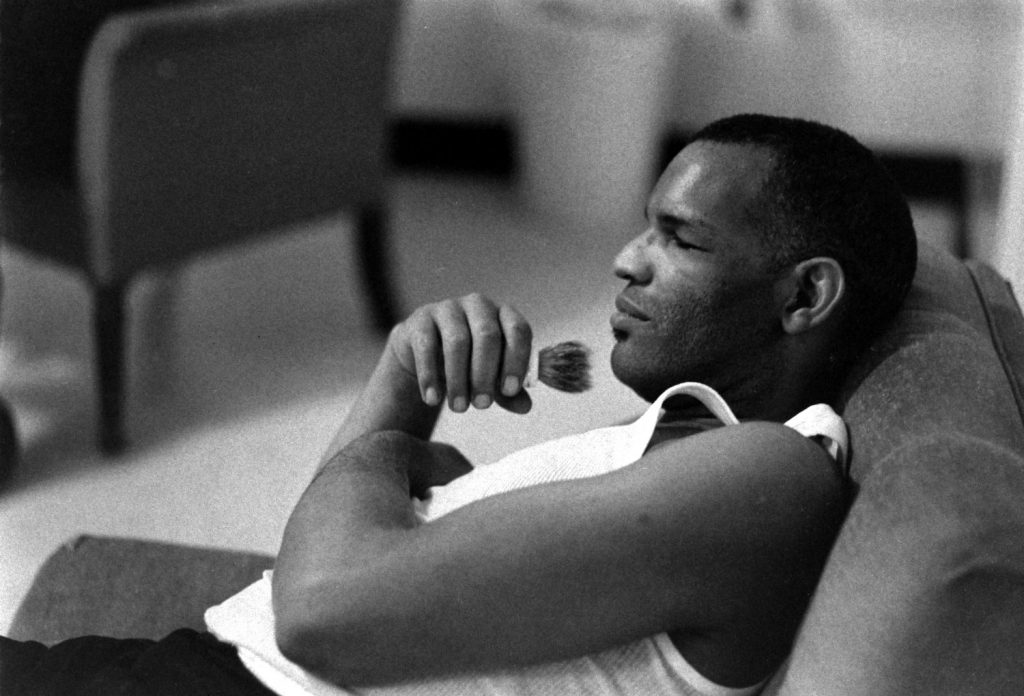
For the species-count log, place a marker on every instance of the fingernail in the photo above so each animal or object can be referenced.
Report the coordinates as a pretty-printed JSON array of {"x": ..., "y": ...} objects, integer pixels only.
[
  {"x": 459, "y": 404},
  {"x": 482, "y": 401},
  {"x": 510, "y": 387},
  {"x": 431, "y": 397}
]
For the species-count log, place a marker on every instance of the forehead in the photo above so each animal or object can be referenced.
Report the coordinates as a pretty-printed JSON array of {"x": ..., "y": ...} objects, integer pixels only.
[{"x": 717, "y": 183}]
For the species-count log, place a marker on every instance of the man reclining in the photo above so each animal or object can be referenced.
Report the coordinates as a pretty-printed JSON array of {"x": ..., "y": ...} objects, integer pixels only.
[{"x": 669, "y": 556}]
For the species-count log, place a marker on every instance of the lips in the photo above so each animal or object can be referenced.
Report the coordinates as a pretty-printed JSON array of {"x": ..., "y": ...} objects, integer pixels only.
[
  {"x": 628, "y": 316},
  {"x": 626, "y": 306}
]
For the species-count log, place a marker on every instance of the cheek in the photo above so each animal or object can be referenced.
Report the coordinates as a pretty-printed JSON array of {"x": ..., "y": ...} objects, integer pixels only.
[
  {"x": 696, "y": 302},
  {"x": 687, "y": 319},
  {"x": 750, "y": 314},
  {"x": 728, "y": 316}
]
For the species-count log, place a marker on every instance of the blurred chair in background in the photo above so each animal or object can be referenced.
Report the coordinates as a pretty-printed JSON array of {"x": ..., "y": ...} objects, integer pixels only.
[
  {"x": 140, "y": 133},
  {"x": 8, "y": 431}
]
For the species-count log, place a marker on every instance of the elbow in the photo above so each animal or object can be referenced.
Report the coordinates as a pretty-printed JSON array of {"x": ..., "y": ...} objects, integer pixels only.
[
  {"x": 329, "y": 655},
  {"x": 296, "y": 631},
  {"x": 306, "y": 632},
  {"x": 328, "y": 643},
  {"x": 297, "y": 645},
  {"x": 304, "y": 647}
]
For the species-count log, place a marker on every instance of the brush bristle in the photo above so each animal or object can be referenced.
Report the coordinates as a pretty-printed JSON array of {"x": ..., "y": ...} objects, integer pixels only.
[{"x": 565, "y": 366}]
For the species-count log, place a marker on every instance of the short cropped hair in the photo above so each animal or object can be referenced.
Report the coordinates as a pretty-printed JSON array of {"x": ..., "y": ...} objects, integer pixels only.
[{"x": 829, "y": 195}]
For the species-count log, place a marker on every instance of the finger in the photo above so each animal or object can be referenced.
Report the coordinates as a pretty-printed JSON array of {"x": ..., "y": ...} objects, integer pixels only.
[
  {"x": 425, "y": 342},
  {"x": 456, "y": 343},
  {"x": 518, "y": 338},
  {"x": 520, "y": 403},
  {"x": 487, "y": 339}
]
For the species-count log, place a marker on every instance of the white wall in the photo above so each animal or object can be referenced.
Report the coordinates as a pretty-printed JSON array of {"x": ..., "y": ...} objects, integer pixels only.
[
  {"x": 1007, "y": 253},
  {"x": 933, "y": 74},
  {"x": 445, "y": 63}
]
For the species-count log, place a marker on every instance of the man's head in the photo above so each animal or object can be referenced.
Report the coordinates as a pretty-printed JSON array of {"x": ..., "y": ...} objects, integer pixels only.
[{"x": 777, "y": 249}]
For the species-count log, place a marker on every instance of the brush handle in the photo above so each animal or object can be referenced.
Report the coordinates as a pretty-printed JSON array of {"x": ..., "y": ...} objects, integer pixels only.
[{"x": 532, "y": 378}]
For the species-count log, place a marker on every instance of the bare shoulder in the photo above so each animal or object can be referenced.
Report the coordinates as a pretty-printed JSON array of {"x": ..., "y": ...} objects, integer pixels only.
[
  {"x": 763, "y": 483},
  {"x": 764, "y": 504},
  {"x": 752, "y": 458},
  {"x": 761, "y": 491}
]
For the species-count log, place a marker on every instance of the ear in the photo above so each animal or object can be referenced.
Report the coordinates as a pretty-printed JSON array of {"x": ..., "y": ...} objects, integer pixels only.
[{"x": 811, "y": 293}]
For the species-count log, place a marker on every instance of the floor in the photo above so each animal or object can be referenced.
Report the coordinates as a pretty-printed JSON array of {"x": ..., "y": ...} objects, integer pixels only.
[{"x": 241, "y": 365}]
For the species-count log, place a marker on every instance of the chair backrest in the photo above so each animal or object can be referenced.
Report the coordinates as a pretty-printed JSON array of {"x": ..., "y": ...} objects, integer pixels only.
[
  {"x": 924, "y": 590},
  {"x": 42, "y": 47},
  {"x": 206, "y": 123}
]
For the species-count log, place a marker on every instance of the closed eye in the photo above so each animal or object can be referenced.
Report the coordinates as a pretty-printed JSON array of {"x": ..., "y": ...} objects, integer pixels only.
[
  {"x": 679, "y": 232},
  {"x": 683, "y": 244},
  {"x": 679, "y": 241}
]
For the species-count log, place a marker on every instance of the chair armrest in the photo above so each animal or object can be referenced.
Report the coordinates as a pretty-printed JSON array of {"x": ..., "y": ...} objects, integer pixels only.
[
  {"x": 129, "y": 588},
  {"x": 214, "y": 120}
]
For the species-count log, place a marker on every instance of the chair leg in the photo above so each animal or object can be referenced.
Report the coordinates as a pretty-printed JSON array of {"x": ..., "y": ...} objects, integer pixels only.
[
  {"x": 8, "y": 444},
  {"x": 8, "y": 432},
  {"x": 375, "y": 268},
  {"x": 109, "y": 328}
]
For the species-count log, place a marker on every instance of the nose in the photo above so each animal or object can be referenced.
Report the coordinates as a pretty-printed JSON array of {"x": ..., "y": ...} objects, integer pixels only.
[{"x": 633, "y": 263}]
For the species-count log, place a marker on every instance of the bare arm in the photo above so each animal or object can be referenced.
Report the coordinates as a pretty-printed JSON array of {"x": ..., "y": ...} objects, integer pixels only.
[
  {"x": 717, "y": 534},
  {"x": 468, "y": 351}
]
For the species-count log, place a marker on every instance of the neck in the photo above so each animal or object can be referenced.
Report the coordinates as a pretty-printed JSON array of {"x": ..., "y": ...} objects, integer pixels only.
[{"x": 775, "y": 395}]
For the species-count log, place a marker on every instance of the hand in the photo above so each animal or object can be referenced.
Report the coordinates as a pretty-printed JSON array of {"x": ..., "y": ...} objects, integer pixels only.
[
  {"x": 439, "y": 465},
  {"x": 467, "y": 350}
]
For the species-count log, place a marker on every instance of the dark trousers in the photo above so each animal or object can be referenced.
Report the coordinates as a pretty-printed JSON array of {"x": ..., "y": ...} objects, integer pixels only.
[{"x": 185, "y": 662}]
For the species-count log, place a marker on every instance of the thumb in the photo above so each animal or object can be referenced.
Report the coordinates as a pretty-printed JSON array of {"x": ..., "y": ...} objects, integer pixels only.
[{"x": 521, "y": 403}]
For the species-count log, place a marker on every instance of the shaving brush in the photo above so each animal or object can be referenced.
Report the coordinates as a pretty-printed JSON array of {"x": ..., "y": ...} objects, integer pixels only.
[{"x": 564, "y": 366}]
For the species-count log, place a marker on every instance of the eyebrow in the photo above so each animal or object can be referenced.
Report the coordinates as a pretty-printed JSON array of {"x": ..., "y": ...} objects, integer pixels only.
[{"x": 691, "y": 221}]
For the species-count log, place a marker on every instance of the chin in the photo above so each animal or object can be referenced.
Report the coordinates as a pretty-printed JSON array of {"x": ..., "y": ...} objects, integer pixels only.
[{"x": 634, "y": 372}]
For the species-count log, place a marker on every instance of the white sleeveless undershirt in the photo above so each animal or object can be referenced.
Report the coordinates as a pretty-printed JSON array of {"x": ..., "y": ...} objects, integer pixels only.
[{"x": 648, "y": 667}]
